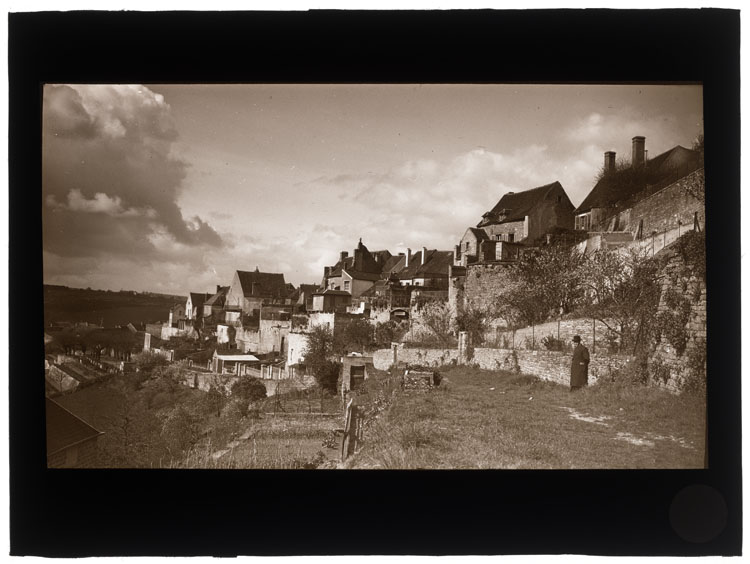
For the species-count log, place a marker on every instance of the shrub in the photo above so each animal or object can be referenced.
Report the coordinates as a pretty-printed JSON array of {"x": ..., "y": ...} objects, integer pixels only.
[
  {"x": 553, "y": 344},
  {"x": 249, "y": 389}
]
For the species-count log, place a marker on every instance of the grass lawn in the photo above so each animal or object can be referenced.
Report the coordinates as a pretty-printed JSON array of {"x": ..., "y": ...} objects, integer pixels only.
[
  {"x": 272, "y": 442},
  {"x": 494, "y": 419}
]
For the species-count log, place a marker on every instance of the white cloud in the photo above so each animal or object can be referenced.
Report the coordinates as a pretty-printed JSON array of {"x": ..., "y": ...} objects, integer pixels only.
[{"x": 100, "y": 203}]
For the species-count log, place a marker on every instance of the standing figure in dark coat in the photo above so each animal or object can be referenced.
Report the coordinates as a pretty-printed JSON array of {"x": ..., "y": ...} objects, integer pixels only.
[{"x": 579, "y": 368}]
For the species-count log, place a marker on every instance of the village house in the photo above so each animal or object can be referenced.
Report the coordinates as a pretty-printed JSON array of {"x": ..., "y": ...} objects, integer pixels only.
[
  {"x": 426, "y": 269},
  {"x": 194, "y": 305},
  {"x": 251, "y": 290},
  {"x": 648, "y": 197},
  {"x": 354, "y": 274},
  {"x": 331, "y": 300},
  {"x": 619, "y": 189},
  {"x": 71, "y": 442},
  {"x": 215, "y": 305},
  {"x": 304, "y": 301}
]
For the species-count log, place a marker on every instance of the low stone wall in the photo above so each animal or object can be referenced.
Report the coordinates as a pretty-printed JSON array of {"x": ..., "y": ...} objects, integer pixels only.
[
  {"x": 383, "y": 359},
  {"x": 547, "y": 365}
]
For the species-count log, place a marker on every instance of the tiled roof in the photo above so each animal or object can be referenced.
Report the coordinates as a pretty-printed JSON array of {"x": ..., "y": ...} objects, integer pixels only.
[
  {"x": 267, "y": 284},
  {"x": 356, "y": 275},
  {"x": 218, "y": 298},
  {"x": 65, "y": 429},
  {"x": 435, "y": 265},
  {"x": 624, "y": 184},
  {"x": 515, "y": 206},
  {"x": 330, "y": 292},
  {"x": 198, "y": 299}
]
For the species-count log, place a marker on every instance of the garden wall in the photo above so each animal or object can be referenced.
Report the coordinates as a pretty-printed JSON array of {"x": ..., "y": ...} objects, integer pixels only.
[{"x": 547, "y": 365}]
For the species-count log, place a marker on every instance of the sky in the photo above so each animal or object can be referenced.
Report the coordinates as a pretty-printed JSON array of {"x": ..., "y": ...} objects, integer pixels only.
[{"x": 171, "y": 188}]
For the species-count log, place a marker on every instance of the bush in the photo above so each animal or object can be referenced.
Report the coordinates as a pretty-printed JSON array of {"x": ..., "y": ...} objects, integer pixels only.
[
  {"x": 552, "y": 344},
  {"x": 249, "y": 389}
]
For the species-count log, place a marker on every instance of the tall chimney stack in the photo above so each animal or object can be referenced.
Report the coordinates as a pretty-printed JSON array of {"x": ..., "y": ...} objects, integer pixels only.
[
  {"x": 408, "y": 256},
  {"x": 609, "y": 161},
  {"x": 343, "y": 255},
  {"x": 424, "y": 254},
  {"x": 639, "y": 151}
]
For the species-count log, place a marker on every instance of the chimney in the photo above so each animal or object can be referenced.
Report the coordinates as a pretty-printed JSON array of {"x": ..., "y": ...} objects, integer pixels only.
[
  {"x": 343, "y": 255},
  {"x": 609, "y": 161},
  {"x": 326, "y": 271},
  {"x": 639, "y": 148},
  {"x": 218, "y": 288},
  {"x": 424, "y": 254},
  {"x": 408, "y": 256}
]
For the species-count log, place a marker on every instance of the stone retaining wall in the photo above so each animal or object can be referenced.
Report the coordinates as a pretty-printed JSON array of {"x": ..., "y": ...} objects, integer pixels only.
[{"x": 547, "y": 365}]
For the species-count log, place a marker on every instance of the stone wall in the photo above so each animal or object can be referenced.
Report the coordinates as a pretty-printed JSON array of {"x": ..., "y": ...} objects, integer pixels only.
[
  {"x": 484, "y": 283},
  {"x": 680, "y": 366},
  {"x": 673, "y": 204},
  {"x": 547, "y": 365},
  {"x": 383, "y": 358}
]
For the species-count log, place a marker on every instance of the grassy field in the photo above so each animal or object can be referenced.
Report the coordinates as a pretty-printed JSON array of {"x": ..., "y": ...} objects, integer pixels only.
[
  {"x": 114, "y": 308},
  {"x": 489, "y": 419}
]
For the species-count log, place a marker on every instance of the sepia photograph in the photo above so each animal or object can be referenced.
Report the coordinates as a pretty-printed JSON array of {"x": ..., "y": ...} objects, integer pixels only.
[
  {"x": 374, "y": 276},
  {"x": 377, "y": 282}
]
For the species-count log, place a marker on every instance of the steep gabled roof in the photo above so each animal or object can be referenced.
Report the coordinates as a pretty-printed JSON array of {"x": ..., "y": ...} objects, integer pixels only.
[
  {"x": 435, "y": 265},
  {"x": 514, "y": 206},
  {"x": 198, "y": 299},
  {"x": 266, "y": 284},
  {"x": 623, "y": 184},
  {"x": 358, "y": 275},
  {"x": 219, "y": 298},
  {"x": 65, "y": 429}
]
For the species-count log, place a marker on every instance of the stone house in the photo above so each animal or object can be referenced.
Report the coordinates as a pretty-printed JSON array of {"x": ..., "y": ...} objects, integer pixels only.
[
  {"x": 621, "y": 189},
  {"x": 215, "y": 304},
  {"x": 527, "y": 216},
  {"x": 354, "y": 274},
  {"x": 331, "y": 300},
  {"x": 251, "y": 290},
  {"x": 71, "y": 442},
  {"x": 305, "y": 293},
  {"x": 427, "y": 269}
]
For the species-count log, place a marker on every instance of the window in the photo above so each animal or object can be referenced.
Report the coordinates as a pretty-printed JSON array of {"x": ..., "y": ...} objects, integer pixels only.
[
  {"x": 498, "y": 237},
  {"x": 467, "y": 246},
  {"x": 346, "y": 285},
  {"x": 512, "y": 236}
]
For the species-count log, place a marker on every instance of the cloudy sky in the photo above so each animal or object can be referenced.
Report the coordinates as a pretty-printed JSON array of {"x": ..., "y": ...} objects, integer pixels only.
[{"x": 171, "y": 188}]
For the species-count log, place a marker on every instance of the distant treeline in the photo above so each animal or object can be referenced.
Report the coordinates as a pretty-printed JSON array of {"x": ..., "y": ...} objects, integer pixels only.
[{"x": 105, "y": 307}]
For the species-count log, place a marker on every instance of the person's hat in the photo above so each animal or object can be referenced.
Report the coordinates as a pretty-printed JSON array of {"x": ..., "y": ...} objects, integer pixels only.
[{"x": 577, "y": 339}]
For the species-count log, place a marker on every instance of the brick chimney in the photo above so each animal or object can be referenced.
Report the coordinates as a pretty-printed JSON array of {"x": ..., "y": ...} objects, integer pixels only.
[
  {"x": 639, "y": 151},
  {"x": 424, "y": 254},
  {"x": 609, "y": 161},
  {"x": 343, "y": 255},
  {"x": 408, "y": 256}
]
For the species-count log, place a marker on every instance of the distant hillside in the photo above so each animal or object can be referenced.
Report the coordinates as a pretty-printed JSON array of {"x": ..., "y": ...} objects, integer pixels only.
[{"x": 113, "y": 308}]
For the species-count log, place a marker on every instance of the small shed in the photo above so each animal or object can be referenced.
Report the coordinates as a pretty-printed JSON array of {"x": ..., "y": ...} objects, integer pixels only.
[
  {"x": 236, "y": 364},
  {"x": 71, "y": 442},
  {"x": 355, "y": 370}
]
